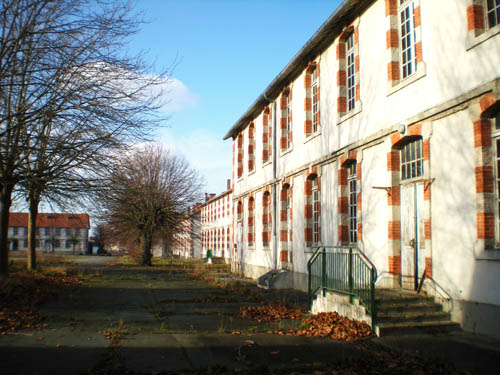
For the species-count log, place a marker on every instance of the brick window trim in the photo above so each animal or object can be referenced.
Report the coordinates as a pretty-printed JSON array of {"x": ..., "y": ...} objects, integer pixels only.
[
  {"x": 395, "y": 82},
  {"x": 477, "y": 24}
]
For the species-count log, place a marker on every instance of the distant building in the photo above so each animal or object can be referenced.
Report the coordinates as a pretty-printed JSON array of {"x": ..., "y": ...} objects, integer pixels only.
[
  {"x": 66, "y": 232},
  {"x": 217, "y": 224},
  {"x": 187, "y": 242}
]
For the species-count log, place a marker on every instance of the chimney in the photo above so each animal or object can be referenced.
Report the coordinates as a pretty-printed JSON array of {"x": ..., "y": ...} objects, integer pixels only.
[
  {"x": 228, "y": 184},
  {"x": 206, "y": 197},
  {"x": 212, "y": 195}
]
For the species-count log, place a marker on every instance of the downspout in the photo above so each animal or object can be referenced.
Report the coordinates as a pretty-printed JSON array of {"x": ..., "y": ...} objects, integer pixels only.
[{"x": 274, "y": 189}]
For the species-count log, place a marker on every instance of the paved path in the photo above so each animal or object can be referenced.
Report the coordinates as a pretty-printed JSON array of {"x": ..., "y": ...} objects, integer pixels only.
[{"x": 163, "y": 319}]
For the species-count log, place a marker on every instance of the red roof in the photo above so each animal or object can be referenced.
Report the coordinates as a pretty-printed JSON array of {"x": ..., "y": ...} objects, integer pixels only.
[{"x": 20, "y": 219}]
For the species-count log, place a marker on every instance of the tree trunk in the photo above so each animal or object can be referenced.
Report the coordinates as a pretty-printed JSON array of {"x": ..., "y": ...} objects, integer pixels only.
[
  {"x": 5, "y": 202},
  {"x": 146, "y": 244},
  {"x": 33, "y": 213}
]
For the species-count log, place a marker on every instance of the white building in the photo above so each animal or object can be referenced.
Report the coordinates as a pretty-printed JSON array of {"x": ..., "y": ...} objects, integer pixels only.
[
  {"x": 65, "y": 232},
  {"x": 217, "y": 224},
  {"x": 187, "y": 241},
  {"x": 382, "y": 133}
]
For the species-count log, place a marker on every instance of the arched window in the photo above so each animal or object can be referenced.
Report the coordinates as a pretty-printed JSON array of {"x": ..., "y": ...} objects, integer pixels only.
[
  {"x": 312, "y": 210},
  {"x": 286, "y": 119},
  {"x": 352, "y": 183},
  {"x": 251, "y": 148},
  {"x": 266, "y": 219},
  {"x": 267, "y": 134},
  {"x": 240, "y": 155},
  {"x": 311, "y": 102},
  {"x": 251, "y": 221},
  {"x": 412, "y": 160}
]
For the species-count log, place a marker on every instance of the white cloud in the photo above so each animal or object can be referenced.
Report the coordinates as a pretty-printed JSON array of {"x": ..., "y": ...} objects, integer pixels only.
[
  {"x": 205, "y": 152},
  {"x": 176, "y": 96}
]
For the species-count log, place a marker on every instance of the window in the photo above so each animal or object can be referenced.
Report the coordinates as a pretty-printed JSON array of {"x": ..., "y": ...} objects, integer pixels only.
[
  {"x": 251, "y": 206},
  {"x": 286, "y": 119},
  {"x": 25, "y": 231},
  {"x": 25, "y": 244},
  {"x": 266, "y": 219},
  {"x": 267, "y": 134},
  {"x": 251, "y": 148},
  {"x": 57, "y": 243},
  {"x": 311, "y": 102},
  {"x": 14, "y": 231},
  {"x": 353, "y": 203},
  {"x": 58, "y": 231},
  {"x": 47, "y": 231},
  {"x": 68, "y": 244},
  {"x": 493, "y": 12},
  {"x": 316, "y": 212},
  {"x": 412, "y": 160},
  {"x": 407, "y": 38},
  {"x": 351, "y": 73},
  {"x": 240, "y": 155}
]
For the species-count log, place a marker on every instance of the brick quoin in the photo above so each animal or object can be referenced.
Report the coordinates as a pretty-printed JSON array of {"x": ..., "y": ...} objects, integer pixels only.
[
  {"x": 394, "y": 196},
  {"x": 415, "y": 129},
  {"x": 393, "y": 161},
  {"x": 418, "y": 52},
  {"x": 341, "y": 78},
  {"x": 394, "y": 230},
  {"x": 343, "y": 233},
  {"x": 485, "y": 225},
  {"x": 391, "y": 8},
  {"x": 392, "y": 38},
  {"x": 284, "y": 256},
  {"x": 342, "y": 177},
  {"x": 427, "y": 229},
  {"x": 428, "y": 268},
  {"x": 393, "y": 71},
  {"x": 482, "y": 133},
  {"x": 475, "y": 17},
  {"x": 395, "y": 138},
  {"x": 341, "y": 51},
  {"x": 395, "y": 265},
  {"x": 487, "y": 101},
  {"x": 426, "y": 146},
  {"x": 416, "y": 15},
  {"x": 343, "y": 204},
  {"x": 484, "y": 179}
]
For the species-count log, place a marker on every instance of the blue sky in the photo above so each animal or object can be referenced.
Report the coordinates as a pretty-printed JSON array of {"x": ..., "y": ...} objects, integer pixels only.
[{"x": 227, "y": 52}]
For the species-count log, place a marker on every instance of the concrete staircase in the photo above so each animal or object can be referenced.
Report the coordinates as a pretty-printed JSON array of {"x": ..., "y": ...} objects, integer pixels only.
[{"x": 405, "y": 312}]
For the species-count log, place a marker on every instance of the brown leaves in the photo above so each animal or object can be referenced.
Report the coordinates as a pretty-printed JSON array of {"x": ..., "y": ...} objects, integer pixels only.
[
  {"x": 22, "y": 292},
  {"x": 271, "y": 312},
  {"x": 336, "y": 327},
  {"x": 330, "y": 325}
]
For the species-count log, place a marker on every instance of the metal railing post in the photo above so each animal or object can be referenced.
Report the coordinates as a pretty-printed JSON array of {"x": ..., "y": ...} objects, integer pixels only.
[
  {"x": 323, "y": 272},
  {"x": 350, "y": 277},
  {"x": 372, "y": 297}
]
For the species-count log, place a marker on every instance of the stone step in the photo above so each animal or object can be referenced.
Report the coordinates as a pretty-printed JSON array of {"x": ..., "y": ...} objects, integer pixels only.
[
  {"x": 413, "y": 316},
  {"x": 408, "y": 306},
  {"x": 403, "y": 328}
]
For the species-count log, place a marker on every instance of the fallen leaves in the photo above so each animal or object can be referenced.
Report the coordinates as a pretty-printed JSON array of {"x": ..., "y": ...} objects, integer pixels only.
[
  {"x": 271, "y": 312},
  {"x": 335, "y": 326},
  {"x": 330, "y": 325},
  {"x": 22, "y": 292}
]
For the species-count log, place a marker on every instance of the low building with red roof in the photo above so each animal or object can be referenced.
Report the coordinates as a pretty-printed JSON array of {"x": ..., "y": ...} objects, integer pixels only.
[{"x": 56, "y": 232}]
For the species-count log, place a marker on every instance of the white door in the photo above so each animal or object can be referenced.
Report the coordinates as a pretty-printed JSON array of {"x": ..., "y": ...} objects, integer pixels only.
[{"x": 412, "y": 235}]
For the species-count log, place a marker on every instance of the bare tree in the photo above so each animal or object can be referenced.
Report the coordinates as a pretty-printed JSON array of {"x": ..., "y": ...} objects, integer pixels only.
[
  {"x": 149, "y": 192},
  {"x": 68, "y": 98}
]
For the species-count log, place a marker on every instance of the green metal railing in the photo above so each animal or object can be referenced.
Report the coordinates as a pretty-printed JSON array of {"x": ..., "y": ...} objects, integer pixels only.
[{"x": 345, "y": 270}]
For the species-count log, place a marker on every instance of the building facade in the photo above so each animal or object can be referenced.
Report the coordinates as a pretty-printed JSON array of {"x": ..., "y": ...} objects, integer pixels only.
[
  {"x": 217, "y": 224},
  {"x": 187, "y": 241},
  {"x": 382, "y": 133},
  {"x": 65, "y": 232}
]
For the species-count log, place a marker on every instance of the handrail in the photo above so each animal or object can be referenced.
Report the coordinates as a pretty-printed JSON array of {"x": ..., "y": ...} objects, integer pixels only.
[{"x": 344, "y": 269}]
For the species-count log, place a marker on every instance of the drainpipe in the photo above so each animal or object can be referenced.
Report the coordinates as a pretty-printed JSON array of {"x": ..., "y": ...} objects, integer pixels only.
[{"x": 274, "y": 189}]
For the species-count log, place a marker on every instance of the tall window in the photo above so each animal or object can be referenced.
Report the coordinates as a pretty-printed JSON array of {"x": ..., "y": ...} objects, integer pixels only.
[
  {"x": 286, "y": 119},
  {"x": 353, "y": 203},
  {"x": 266, "y": 135},
  {"x": 315, "y": 211},
  {"x": 251, "y": 148},
  {"x": 251, "y": 220},
  {"x": 240, "y": 156},
  {"x": 493, "y": 12},
  {"x": 412, "y": 160},
  {"x": 315, "y": 99},
  {"x": 351, "y": 73},
  {"x": 266, "y": 219},
  {"x": 407, "y": 37}
]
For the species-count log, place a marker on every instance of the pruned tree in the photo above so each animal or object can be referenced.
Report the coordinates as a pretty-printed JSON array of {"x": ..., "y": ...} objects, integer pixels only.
[
  {"x": 149, "y": 192},
  {"x": 69, "y": 97}
]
